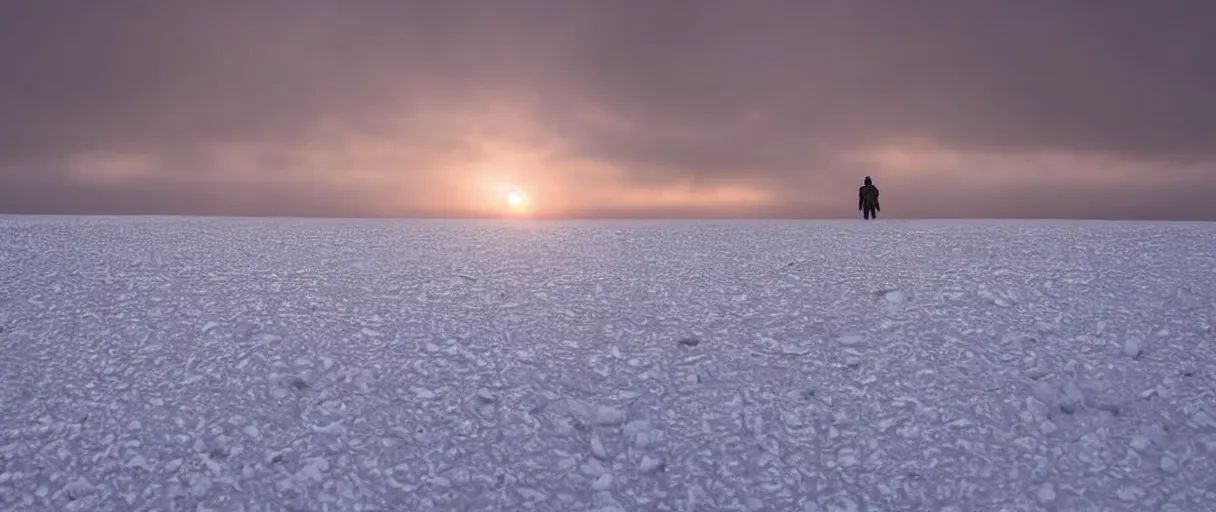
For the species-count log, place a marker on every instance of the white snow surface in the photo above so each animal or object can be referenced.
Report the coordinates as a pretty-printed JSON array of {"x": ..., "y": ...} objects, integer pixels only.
[{"x": 253, "y": 364}]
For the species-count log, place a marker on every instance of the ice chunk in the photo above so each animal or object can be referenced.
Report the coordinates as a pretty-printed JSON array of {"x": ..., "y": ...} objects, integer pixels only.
[
  {"x": 597, "y": 448},
  {"x": 797, "y": 348},
  {"x": 1046, "y": 494},
  {"x": 650, "y": 464},
  {"x": 640, "y": 433},
  {"x": 608, "y": 416},
  {"x": 592, "y": 467},
  {"x": 994, "y": 297},
  {"x": 1169, "y": 465},
  {"x": 78, "y": 487},
  {"x": 850, "y": 340},
  {"x": 200, "y": 484},
  {"x": 1130, "y": 493},
  {"x": 1071, "y": 398},
  {"x": 530, "y": 494},
  {"x": 565, "y": 463},
  {"x": 843, "y": 504},
  {"x": 1140, "y": 443},
  {"x": 334, "y": 428},
  {"x": 602, "y": 483},
  {"x": 314, "y": 469},
  {"x": 1132, "y": 348},
  {"x": 1157, "y": 433},
  {"x": 1201, "y": 419},
  {"x": 138, "y": 462},
  {"x": 485, "y": 395},
  {"x": 960, "y": 423},
  {"x": 1043, "y": 392},
  {"x": 847, "y": 457},
  {"x": 895, "y": 297}
]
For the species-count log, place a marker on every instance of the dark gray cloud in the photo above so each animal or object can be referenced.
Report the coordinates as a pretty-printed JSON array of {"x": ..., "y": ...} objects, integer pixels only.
[
  {"x": 268, "y": 107},
  {"x": 1120, "y": 77}
]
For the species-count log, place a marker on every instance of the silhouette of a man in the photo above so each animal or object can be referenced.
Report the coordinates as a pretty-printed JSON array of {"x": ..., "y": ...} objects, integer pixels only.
[{"x": 867, "y": 200}]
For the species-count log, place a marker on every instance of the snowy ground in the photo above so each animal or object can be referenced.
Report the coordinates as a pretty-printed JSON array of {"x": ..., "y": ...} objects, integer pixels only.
[{"x": 221, "y": 364}]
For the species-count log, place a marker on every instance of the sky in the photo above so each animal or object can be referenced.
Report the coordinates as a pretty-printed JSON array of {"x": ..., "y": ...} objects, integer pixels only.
[{"x": 613, "y": 108}]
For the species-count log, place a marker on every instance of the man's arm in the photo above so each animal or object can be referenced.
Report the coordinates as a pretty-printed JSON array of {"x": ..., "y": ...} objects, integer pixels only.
[{"x": 861, "y": 198}]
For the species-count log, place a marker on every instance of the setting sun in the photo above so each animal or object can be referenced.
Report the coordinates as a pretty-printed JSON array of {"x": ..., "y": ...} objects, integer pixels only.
[{"x": 517, "y": 202}]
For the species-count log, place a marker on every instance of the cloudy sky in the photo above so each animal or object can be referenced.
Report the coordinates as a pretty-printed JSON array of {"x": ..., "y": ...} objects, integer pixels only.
[{"x": 957, "y": 108}]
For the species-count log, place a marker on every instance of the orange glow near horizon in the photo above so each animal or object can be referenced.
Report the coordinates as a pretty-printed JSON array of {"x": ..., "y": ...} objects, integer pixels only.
[
  {"x": 683, "y": 197},
  {"x": 524, "y": 178}
]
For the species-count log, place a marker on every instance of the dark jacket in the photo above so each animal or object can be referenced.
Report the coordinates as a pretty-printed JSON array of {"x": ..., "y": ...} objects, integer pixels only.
[{"x": 867, "y": 197}]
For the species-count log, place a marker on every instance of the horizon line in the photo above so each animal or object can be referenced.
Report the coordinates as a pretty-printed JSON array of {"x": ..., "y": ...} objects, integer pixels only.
[{"x": 556, "y": 218}]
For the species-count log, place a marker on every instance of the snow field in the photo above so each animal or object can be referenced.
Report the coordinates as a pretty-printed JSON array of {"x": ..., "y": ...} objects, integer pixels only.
[{"x": 249, "y": 364}]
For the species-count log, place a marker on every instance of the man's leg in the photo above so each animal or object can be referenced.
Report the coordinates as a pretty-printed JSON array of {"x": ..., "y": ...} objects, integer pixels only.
[{"x": 865, "y": 213}]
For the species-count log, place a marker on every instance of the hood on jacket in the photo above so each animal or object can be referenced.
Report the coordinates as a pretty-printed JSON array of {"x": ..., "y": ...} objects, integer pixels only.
[{"x": 869, "y": 181}]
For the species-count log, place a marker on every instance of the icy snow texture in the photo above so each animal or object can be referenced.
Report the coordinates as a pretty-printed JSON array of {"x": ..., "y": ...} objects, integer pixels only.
[{"x": 221, "y": 364}]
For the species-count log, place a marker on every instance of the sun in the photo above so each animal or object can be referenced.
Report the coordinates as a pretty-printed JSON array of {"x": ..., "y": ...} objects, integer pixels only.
[{"x": 517, "y": 202}]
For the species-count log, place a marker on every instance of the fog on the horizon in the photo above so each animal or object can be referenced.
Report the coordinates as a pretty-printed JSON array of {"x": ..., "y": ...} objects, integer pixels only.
[{"x": 623, "y": 108}]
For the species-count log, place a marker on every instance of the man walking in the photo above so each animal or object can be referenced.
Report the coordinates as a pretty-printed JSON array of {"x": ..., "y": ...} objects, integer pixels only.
[{"x": 867, "y": 200}]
